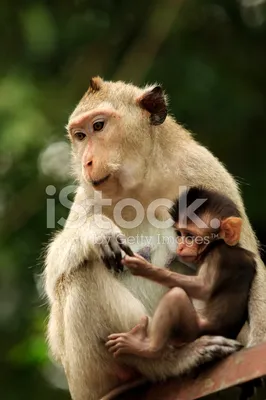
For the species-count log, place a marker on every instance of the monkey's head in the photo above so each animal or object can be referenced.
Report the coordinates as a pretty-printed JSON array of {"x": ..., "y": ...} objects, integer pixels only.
[
  {"x": 202, "y": 216},
  {"x": 112, "y": 131}
]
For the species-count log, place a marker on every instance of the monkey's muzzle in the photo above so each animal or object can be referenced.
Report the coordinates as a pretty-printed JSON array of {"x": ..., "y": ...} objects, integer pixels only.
[{"x": 97, "y": 183}]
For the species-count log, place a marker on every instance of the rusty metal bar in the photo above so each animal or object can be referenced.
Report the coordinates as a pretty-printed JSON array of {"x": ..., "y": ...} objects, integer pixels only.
[{"x": 241, "y": 367}]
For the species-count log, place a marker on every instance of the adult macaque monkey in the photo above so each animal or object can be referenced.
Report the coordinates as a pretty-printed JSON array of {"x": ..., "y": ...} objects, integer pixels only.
[{"x": 126, "y": 146}]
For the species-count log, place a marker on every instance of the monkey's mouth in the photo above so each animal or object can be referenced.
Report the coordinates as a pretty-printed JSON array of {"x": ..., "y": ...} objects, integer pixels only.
[
  {"x": 100, "y": 181},
  {"x": 188, "y": 259}
]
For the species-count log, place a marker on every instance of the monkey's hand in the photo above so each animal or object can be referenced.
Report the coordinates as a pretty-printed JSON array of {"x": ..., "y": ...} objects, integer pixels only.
[
  {"x": 98, "y": 238},
  {"x": 110, "y": 242},
  {"x": 110, "y": 251},
  {"x": 138, "y": 265}
]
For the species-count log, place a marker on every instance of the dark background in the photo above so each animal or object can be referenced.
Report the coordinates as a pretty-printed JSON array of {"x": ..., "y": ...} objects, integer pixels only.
[{"x": 209, "y": 56}]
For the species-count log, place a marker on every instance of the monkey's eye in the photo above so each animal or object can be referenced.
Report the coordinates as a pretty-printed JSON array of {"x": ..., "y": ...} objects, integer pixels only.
[
  {"x": 190, "y": 238},
  {"x": 98, "y": 126},
  {"x": 79, "y": 135}
]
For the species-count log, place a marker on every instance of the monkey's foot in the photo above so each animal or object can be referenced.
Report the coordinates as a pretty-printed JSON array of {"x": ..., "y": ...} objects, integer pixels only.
[
  {"x": 135, "y": 342},
  {"x": 215, "y": 347}
]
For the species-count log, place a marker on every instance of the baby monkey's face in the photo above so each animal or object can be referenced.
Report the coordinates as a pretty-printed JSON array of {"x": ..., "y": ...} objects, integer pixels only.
[{"x": 192, "y": 241}]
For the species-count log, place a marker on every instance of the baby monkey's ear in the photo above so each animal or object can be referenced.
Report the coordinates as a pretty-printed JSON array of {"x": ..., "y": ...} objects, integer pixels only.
[
  {"x": 230, "y": 230},
  {"x": 154, "y": 101}
]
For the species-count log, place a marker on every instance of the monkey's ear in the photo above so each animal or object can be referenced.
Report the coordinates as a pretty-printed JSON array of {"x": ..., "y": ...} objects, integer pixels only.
[
  {"x": 231, "y": 230},
  {"x": 95, "y": 84},
  {"x": 155, "y": 103}
]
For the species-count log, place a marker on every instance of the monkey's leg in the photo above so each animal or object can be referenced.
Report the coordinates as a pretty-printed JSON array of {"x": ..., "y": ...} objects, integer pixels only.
[
  {"x": 95, "y": 305},
  {"x": 175, "y": 311}
]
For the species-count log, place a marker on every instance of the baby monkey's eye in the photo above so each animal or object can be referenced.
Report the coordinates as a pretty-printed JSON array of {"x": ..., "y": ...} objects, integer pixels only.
[
  {"x": 79, "y": 135},
  {"x": 190, "y": 237},
  {"x": 98, "y": 126}
]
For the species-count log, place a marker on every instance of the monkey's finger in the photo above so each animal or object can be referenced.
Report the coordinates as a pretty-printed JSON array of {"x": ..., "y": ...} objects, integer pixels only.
[
  {"x": 121, "y": 239},
  {"x": 124, "y": 246},
  {"x": 105, "y": 259},
  {"x": 114, "y": 348},
  {"x": 113, "y": 263},
  {"x": 139, "y": 257},
  {"x": 116, "y": 335},
  {"x": 111, "y": 342},
  {"x": 144, "y": 321},
  {"x": 107, "y": 263},
  {"x": 117, "y": 253},
  {"x": 127, "y": 250},
  {"x": 142, "y": 325},
  {"x": 108, "y": 255},
  {"x": 134, "y": 260},
  {"x": 128, "y": 264}
]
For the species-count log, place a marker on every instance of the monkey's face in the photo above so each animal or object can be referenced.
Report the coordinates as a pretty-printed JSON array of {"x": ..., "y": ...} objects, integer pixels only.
[
  {"x": 106, "y": 151},
  {"x": 111, "y": 135},
  {"x": 94, "y": 135},
  {"x": 191, "y": 244}
]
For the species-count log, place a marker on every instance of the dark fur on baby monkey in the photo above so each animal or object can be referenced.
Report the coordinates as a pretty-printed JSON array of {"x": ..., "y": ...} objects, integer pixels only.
[{"x": 215, "y": 301}]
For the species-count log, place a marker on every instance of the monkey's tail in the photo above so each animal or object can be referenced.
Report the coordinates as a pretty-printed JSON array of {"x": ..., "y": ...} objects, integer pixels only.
[{"x": 124, "y": 388}]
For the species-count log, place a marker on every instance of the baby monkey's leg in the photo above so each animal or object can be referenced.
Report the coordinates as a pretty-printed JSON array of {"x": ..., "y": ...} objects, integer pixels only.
[{"x": 175, "y": 312}]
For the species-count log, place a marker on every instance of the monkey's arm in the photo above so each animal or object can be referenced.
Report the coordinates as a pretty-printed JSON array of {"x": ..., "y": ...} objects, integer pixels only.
[
  {"x": 194, "y": 286},
  {"x": 85, "y": 237}
]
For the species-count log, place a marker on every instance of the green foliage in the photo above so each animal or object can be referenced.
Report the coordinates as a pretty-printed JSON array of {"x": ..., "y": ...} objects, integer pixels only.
[{"x": 210, "y": 57}]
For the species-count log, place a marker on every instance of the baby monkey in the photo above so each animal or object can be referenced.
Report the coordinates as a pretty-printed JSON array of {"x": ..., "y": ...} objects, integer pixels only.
[{"x": 215, "y": 300}]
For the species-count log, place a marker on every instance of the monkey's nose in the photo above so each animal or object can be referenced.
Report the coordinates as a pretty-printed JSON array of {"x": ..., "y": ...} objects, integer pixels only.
[
  {"x": 88, "y": 168},
  {"x": 180, "y": 248},
  {"x": 87, "y": 164}
]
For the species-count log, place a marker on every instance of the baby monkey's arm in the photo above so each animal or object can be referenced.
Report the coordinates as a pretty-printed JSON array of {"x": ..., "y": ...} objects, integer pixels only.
[{"x": 194, "y": 286}]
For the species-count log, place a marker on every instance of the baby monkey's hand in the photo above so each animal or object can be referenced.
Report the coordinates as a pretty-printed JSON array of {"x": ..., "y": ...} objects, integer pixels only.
[{"x": 137, "y": 265}]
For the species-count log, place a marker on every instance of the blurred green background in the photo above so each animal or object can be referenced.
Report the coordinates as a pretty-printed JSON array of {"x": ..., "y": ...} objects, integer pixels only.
[{"x": 210, "y": 57}]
